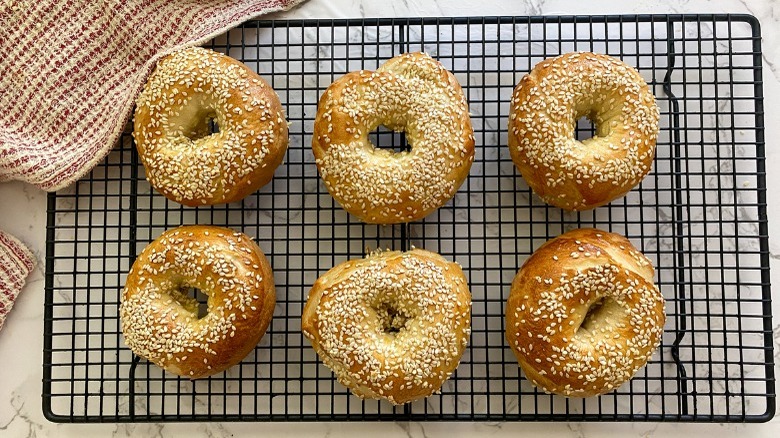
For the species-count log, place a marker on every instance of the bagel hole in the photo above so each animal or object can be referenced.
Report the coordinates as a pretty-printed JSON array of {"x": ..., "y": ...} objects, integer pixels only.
[
  {"x": 389, "y": 140},
  {"x": 597, "y": 313},
  {"x": 203, "y": 302},
  {"x": 584, "y": 128},
  {"x": 213, "y": 125},
  {"x": 200, "y": 298},
  {"x": 391, "y": 319},
  {"x": 204, "y": 128}
]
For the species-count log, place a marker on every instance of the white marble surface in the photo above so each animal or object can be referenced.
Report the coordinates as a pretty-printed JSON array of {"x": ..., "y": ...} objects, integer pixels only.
[{"x": 21, "y": 339}]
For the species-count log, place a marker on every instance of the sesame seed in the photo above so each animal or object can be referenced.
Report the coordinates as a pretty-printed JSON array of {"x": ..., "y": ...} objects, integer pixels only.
[
  {"x": 544, "y": 109},
  {"x": 383, "y": 187},
  {"x": 158, "y": 317},
  {"x": 183, "y": 160},
  {"x": 595, "y": 326},
  {"x": 392, "y": 325}
]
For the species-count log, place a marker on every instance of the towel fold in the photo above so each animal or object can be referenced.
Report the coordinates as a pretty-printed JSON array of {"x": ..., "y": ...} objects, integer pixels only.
[{"x": 16, "y": 262}]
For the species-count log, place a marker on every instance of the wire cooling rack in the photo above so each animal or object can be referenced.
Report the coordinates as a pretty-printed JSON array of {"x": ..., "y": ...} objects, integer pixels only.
[{"x": 700, "y": 216}]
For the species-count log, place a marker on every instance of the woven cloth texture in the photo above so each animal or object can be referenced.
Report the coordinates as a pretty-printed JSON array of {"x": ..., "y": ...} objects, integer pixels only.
[
  {"x": 16, "y": 262},
  {"x": 70, "y": 71}
]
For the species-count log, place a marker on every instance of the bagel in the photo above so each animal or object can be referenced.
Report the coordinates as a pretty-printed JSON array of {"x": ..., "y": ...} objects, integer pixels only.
[
  {"x": 392, "y": 326},
  {"x": 543, "y": 114},
  {"x": 183, "y": 160},
  {"x": 160, "y": 321},
  {"x": 412, "y": 93},
  {"x": 583, "y": 315}
]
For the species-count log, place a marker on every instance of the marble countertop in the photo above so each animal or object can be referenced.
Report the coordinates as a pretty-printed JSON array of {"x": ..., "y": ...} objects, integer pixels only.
[{"x": 21, "y": 338}]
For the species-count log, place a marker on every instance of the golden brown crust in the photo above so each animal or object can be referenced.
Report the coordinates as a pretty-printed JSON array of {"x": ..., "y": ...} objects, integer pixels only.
[
  {"x": 584, "y": 315},
  {"x": 544, "y": 110},
  {"x": 160, "y": 323},
  {"x": 391, "y": 326},
  {"x": 184, "y": 162},
  {"x": 411, "y": 92}
]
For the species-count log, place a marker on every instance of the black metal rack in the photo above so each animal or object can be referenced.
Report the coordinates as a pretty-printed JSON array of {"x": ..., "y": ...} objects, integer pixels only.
[{"x": 700, "y": 216}]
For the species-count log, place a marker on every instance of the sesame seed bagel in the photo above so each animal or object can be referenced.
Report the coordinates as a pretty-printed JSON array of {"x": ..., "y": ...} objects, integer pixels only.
[
  {"x": 584, "y": 315},
  {"x": 183, "y": 160},
  {"x": 391, "y": 326},
  {"x": 160, "y": 321},
  {"x": 543, "y": 114},
  {"x": 412, "y": 93}
]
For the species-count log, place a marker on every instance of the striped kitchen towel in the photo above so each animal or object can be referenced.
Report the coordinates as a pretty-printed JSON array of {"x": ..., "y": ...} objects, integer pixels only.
[
  {"x": 15, "y": 263},
  {"x": 70, "y": 71}
]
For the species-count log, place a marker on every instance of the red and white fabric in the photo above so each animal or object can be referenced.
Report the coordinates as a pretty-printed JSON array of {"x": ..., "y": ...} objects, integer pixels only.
[
  {"x": 16, "y": 262},
  {"x": 70, "y": 71}
]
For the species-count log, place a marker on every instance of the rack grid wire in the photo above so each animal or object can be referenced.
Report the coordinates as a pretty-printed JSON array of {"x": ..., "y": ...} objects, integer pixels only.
[{"x": 700, "y": 216}]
